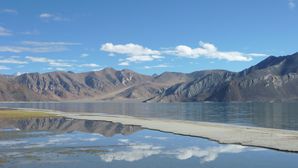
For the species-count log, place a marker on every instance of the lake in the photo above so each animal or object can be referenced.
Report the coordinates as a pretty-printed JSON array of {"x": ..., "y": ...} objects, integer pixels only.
[
  {"x": 270, "y": 115},
  {"x": 61, "y": 142}
]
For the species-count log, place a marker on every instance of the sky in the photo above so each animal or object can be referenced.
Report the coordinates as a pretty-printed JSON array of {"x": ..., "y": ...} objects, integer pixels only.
[{"x": 147, "y": 36}]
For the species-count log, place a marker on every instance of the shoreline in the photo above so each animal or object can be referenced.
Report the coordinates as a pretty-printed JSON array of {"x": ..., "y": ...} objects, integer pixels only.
[{"x": 276, "y": 139}]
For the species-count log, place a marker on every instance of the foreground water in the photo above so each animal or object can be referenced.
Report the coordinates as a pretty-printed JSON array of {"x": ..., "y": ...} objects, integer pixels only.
[
  {"x": 61, "y": 142},
  {"x": 270, "y": 115}
]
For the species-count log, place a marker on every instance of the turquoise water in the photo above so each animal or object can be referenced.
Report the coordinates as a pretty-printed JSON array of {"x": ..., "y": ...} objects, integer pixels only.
[{"x": 271, "y": 115}]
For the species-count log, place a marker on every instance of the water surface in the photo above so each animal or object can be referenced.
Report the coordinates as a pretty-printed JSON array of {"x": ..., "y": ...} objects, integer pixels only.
[
  {"x": 270, "y": 115},
  {"x": 60, "y": 142}
]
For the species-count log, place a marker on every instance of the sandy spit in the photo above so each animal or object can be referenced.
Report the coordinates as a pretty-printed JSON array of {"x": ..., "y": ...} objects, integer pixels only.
[
  {"x": 283, "y": 140},
  {"x": 277, "y": 139}
]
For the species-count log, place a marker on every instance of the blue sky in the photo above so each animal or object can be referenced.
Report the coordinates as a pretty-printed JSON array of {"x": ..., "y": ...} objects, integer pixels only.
[{"x": 147, "y": 36}]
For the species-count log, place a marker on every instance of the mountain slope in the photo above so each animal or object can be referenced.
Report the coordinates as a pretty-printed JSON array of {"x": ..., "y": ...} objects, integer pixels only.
[{"x": 273, "y": 79}]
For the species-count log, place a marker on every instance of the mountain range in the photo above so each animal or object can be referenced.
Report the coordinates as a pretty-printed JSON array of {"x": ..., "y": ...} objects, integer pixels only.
[{"x": 273, "y": 79}]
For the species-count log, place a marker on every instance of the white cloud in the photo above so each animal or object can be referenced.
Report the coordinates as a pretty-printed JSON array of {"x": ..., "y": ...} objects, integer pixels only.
[
  {"x": 209, "y": 154},
  {"x": 91, "y": 65},
  {"x": 123, "y": 140},
  {"x": 134, "y": 153},
  {"x": 138, "y": 53},
  {"x": 257, "y": 55},
  {"x": 48, "y": 43},
  {"x": 139, "y": 58},
  {"x": 33, "y": 32},
  {"x": 51, "y": 141},
  {"x": 20, "y": 73},
  {"x": 138, "y": 151},
  {"x": 45, "y": 15},
  {"x": 12, "y": 61},
  {"x": 9, "y": 11},
  {"x": 89, "y": 139},
  {"x": 5, "y": 32},
  {"x": 51, "y": 62},
  {"x": 38, "y": 47},
  {"x": 156, "y": 66},
  {"x": 50, "y": 16},
  {"x": 84, "y": 55},
  {"x": 133, "y": 52},
  {"x": 12, "y": 142},
  {"x": 210, "y": 51},
  {"x": 124, "y": 63},
  {"x": 60, "y": 69},
  {"x": 97, "y": 69},
  {"x": 13, "y": 49},
  {"x": 4, "y": 67},
  {"x": 292, "y": 4},
  {"x": 20, "y": 49},
  {"x": 60, "y": 64},
  {"x": 155, "y": 137},
  {"x": 129, "y": 49}
]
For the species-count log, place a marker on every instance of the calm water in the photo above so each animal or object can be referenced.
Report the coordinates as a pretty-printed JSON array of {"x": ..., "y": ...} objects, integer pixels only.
[
  {"x": 271, "y": 115},
  {"x": 67, "y": 143}
]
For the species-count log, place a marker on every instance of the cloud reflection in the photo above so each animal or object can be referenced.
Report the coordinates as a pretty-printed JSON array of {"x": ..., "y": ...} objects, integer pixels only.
[
  {"x": 208, "y": 154},
  {"x": 138, "y": 151},
  {"x": 135, "y": 152}
]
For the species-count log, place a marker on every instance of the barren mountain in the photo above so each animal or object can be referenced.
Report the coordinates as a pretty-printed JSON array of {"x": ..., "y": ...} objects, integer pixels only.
[{"x": 273, "y": 79}]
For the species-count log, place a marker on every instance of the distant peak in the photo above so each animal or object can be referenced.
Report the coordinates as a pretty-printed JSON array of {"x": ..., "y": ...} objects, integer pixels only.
[{"x": 108, "y": 69}]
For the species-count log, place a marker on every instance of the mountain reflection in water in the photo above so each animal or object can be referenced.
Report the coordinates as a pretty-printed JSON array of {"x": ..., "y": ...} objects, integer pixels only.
[
  {"x": 61, "y": 142},
  {"x": 62, "y": 124}
]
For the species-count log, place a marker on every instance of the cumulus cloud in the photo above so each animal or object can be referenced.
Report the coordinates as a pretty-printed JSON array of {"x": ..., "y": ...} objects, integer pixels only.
[
  {"x": 133, "y": 52},
  {"x": 129, "y": 49},
  {"x": 292, "y": 4},
  {"x": 5, "y": 32},
  {"x": 210, "y": 51},
  {"x": 138, "y": 53}
]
